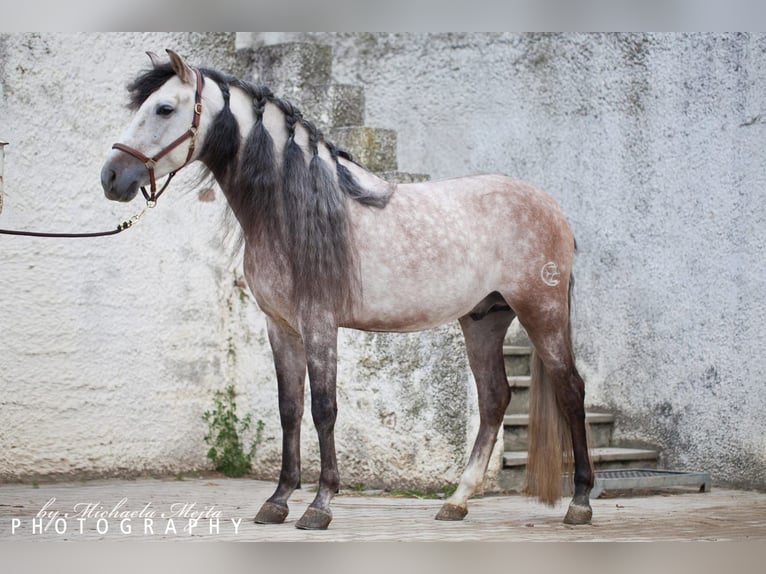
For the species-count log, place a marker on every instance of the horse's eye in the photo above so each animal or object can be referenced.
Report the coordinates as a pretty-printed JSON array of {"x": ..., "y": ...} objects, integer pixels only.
[{"x": 165, "y": 110}]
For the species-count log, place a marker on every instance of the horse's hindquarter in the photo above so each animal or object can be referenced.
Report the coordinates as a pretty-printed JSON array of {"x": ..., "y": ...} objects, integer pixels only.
[{"x": 440, "y": 247}]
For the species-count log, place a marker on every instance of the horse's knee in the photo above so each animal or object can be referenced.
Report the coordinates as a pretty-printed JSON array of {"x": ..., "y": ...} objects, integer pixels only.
[
  {"x": 324, "y": 411},
  {"x": 290, "y": 415}
]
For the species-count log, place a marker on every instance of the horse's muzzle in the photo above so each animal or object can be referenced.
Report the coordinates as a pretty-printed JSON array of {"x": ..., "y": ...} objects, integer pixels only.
[{"x": 122, "y": 180}]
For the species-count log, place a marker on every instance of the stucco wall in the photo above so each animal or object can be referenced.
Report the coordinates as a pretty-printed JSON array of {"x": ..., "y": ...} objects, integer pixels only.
[
  {"x": 109, "y": 344},
  {"x": 2, "y": 163},
  {"x": 112, "y": 347}
]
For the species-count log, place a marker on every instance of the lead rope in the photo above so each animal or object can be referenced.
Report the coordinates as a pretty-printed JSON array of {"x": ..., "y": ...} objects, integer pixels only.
[{"x": 120, "y": 228}]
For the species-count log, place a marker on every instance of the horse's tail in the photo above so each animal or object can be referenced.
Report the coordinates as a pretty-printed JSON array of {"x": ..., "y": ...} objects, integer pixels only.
[{"x": 550, "y": 440}]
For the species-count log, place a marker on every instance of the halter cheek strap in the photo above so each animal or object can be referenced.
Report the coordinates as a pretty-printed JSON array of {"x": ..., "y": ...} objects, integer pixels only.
[{"x": 151, "y": 162}]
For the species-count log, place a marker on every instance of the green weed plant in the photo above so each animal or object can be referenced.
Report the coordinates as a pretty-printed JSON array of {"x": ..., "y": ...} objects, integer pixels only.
[{"x": 227, "y": 450}]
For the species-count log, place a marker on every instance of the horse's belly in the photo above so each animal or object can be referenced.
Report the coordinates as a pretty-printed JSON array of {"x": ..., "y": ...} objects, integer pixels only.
[
  {"x": 396, "y": 301},
  {"x": 405, "y": 319}
]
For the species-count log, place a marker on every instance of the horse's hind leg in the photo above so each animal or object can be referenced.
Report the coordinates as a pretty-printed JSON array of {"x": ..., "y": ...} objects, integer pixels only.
[
  {"x": 290, "y": 364},
  {"x": 484, "y": 334},
  {"x": 556, "y": 374}
]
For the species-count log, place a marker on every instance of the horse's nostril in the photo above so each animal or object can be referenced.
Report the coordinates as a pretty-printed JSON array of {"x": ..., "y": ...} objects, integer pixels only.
[{"x": 108, "y": 177}]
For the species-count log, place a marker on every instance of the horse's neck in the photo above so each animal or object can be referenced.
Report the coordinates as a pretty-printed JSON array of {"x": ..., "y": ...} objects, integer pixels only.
[{"x": 275, "y": 124}]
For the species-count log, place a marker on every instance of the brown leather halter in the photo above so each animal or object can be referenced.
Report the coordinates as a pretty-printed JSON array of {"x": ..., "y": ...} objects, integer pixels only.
[{"x": 150, "y": 162}]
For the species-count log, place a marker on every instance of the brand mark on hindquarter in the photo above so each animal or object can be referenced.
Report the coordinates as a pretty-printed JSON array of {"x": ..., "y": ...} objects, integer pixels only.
[{"x": 550, "y": 274}]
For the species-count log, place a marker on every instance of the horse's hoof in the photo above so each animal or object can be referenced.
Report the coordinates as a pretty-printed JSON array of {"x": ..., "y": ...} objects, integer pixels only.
[
  {"x": 578, "y": 514},
  {"x": 271, "y": 513},
  {"x": 451, "y": 512},
  {"x": 314, "y": 519}
]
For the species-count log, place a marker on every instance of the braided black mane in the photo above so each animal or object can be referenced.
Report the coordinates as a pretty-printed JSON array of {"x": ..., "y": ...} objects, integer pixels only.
[{"x": 298, "y": 207}]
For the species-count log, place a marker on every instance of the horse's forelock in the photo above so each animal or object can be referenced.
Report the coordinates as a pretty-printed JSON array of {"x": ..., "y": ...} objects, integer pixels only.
[{"x": 147, "y": 83}]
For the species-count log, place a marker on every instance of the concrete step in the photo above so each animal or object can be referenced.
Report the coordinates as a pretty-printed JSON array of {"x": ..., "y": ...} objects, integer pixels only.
[
  {"x": 519, "y": 394},
  {"x": 599, "y": 456},
  {"x": 516, "y": 430},
  {"x": 374, "y": 148},
  {"x": 516, "y": 360},
  {"x": 511, "y": 477}
]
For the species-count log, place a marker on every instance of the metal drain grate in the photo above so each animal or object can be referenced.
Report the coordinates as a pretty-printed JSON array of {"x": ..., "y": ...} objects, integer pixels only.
[{"x": 628, "y": 479}]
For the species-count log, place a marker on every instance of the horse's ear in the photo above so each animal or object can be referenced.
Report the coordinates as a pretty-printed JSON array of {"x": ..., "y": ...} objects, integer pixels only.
[
  {"x": 181, "y": 68},
  {"x": 154, "y": 58}
]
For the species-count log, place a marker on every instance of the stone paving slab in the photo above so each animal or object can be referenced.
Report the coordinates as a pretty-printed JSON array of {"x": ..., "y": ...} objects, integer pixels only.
[{"x": 222, "y": 509}]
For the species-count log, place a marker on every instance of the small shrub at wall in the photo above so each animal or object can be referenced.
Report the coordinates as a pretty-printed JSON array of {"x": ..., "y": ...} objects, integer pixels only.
[{"x": 225, "y": 431}]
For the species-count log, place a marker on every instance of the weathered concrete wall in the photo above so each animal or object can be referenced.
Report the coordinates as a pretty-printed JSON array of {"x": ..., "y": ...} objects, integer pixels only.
[
  {"x": 110, "y": 347},
  {"x": 651, "y": 143},
  {"x": 2, "y": 163}
]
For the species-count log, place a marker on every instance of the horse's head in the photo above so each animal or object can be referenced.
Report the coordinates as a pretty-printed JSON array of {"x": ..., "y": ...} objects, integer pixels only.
[{"x": 162, "y": 137}]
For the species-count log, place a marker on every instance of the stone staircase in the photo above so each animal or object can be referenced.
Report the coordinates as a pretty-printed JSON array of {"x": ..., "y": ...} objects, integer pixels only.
[
  {"x": 605, "y": 455},
  {"x": 301, "y": 73}
]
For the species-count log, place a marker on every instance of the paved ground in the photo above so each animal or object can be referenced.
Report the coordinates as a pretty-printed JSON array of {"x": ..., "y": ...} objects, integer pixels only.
[{"x": 222, "y": 509}]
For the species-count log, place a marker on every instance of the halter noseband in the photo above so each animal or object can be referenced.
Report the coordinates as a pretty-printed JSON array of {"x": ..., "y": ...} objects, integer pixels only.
[{"x": 151, "y": 162}]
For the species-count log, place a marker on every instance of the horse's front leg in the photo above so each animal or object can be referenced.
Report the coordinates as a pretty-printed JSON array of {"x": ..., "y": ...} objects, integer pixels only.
[
  {"x": 321, "y": 344},
  {"x": 290, "y": 364}
]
